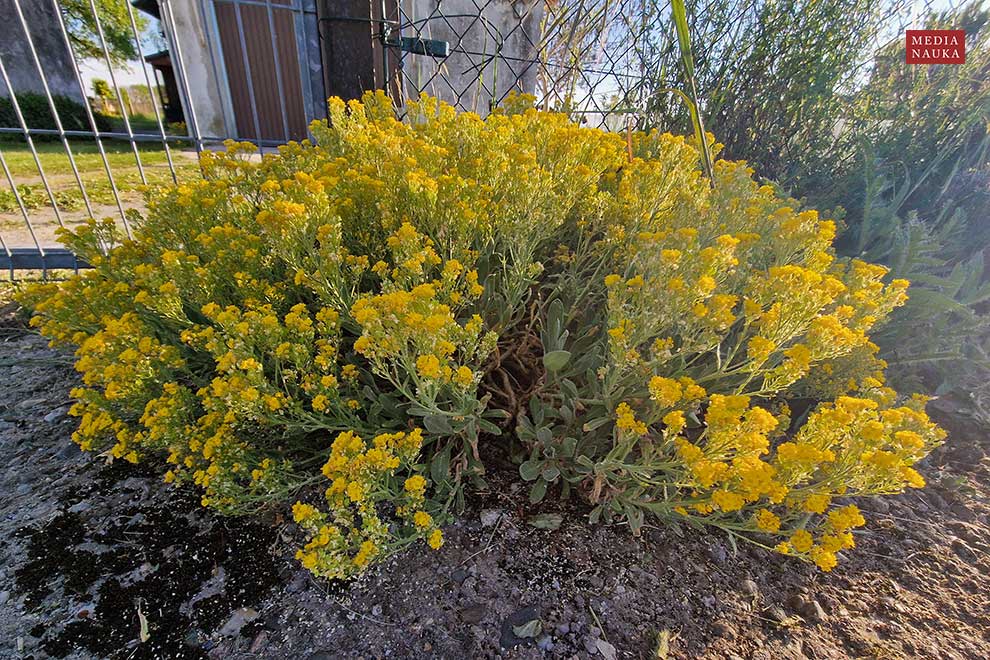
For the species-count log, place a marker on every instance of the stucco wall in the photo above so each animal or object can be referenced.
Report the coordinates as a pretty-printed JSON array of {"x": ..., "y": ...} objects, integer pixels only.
[
  {"x": 187, "y": 33},
  {"x": 48, "y": 42},
  {"x": 471, "y": 79}
]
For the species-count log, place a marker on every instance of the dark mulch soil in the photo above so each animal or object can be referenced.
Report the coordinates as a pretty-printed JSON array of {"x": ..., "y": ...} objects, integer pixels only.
[{"x": 91, "y": 551}]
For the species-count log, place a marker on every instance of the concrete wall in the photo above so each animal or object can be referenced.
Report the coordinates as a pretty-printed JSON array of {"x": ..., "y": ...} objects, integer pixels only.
[
  {"x": 49, "y": 44},
  {"x": 187, "y": 32},
  {"x": 469, "y": 81}
]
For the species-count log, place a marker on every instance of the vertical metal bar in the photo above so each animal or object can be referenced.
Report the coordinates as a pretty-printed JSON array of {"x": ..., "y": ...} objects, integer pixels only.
[
  {"x": 116, "y": 89},
  {"x": 51, "y": 105},
  {"x": 30, "y": 143},
  {"x": 169, "y": 20},
  {"x": 20, "y": 205},
  {"x": 91, "y": 118},
  {"x": 278, "y": 70},
  {"x": 247, "y": 71},
  {"x": 147, "y": 80}
]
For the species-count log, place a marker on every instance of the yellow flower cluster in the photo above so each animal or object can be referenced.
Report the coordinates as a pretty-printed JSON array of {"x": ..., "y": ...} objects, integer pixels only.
[
  {"x": 346, "y": 537},
  {"x": 266, "y": 321},
  {"x": 852, "y": 446}
]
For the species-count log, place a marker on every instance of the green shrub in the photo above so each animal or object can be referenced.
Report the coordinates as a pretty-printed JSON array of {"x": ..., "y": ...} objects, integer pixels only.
[
  {"x": 38, "y": 114},
  {"x": 365, "y": 317}
]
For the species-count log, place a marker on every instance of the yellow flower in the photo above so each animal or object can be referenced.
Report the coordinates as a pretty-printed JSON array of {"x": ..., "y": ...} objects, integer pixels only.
[
  {"x": 674, "y": 420},
  {"x": 801, "y": 540},
  {"x": 302, "y": 513},
  {"x": 817, "y": 502},
  {"x": 767, "y": 521},
  {"x": 727, "y": 501},
  {"x": 626, "y": 420},
  {"x": 436, "y": 539},
  {"x": 665, "y": 391},
  {"x": 355, "y": 491},
  {"x": 463, "y": 376},
  {"x": 422, "y": 519},
  {"x": 428, "y": 366},
  {"x": 824, "y": 559},
  {"x": 415, "y": 485}
]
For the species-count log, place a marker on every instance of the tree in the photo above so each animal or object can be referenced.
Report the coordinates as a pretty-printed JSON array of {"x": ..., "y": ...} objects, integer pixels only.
[
  {"x": 101, "y": 90},
  {"x": 116, "y": 24}
]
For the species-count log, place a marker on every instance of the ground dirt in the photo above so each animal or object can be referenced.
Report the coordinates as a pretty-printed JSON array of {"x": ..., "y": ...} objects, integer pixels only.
[{"x": 96, "y": 557}]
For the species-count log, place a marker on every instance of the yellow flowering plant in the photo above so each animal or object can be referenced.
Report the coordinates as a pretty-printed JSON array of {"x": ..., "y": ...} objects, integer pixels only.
[
  {"x": 681, "y": 326},
  {"x": 346, "y": 325}
]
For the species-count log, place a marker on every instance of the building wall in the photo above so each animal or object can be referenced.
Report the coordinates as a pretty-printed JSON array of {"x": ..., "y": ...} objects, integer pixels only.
[
  {"x": 49, "y": 44},
  {"x": 195, "y": 29},
  {"x": 189, "y": 35},
  {"x": 472, "y": 79}
]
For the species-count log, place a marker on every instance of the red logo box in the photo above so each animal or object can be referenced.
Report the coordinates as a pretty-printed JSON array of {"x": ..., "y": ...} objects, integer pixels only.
[{"x": 935, "y": 46}]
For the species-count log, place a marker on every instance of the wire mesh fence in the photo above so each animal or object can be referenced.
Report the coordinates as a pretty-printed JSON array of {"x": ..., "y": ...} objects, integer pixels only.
[{"x": 258, "y": 70}]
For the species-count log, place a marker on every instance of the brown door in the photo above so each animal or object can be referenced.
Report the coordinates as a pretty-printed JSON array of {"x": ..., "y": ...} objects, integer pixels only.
[{"x": 262, "y": 66}]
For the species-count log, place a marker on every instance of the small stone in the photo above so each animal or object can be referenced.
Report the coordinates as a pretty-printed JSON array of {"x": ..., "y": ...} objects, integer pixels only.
[
  {"x": 815, "y": 611},
  {"x": 459, "y": 575},
  {"x": 55, "y": 416},
  {"x": 238, "y": 620},
  {"x": 298, "y": 583},
  {"x": 23, "y": 489},
  {"x": 544, "y": 643},
  {"x": 80, "y": 507},
  {"x": 880, "y": 505},
  {"x": 193, "y": 638},
  {"x": 797, "y": 603},
  {"x": 749, "y": 588},
  {"x": 473, "y": 613},
  {"x": 4, "y": 596},
  {"x": 376, "y": 610},
  {"x": 259, "y": 642},
  {"x": 563, "y": 629},
  {"x": 469, "y": 585},
  {"x": 508, "y": 638},
  {"x": 606, "y": 649},
  {"x": 489, "y": 517},
  {"x": 722, "y": 629},
  {"x": 590, "y": 644}
]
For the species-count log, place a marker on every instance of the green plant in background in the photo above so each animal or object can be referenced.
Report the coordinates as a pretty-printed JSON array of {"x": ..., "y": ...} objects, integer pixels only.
[
  {"x": 920, "y": 203},
  {"x": 38, "y": 114}
]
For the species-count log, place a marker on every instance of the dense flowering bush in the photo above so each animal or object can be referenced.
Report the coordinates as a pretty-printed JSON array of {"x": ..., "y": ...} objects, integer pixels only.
[{"x": 362, "y": 318}]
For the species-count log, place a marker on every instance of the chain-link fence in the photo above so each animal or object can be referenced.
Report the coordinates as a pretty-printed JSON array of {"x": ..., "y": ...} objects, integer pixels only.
[{"x": 73, "y": 144}]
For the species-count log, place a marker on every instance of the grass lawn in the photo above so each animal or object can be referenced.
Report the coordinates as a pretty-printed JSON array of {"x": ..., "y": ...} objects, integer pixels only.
[{"x": 59, "y": 173}]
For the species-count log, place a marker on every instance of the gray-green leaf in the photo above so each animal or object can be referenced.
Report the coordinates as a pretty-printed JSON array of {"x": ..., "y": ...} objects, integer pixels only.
[{"x": 554, "y": 361}]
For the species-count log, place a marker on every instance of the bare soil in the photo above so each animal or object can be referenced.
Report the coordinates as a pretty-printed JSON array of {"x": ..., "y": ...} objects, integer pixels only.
[{"x": 98, "y": 557}]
